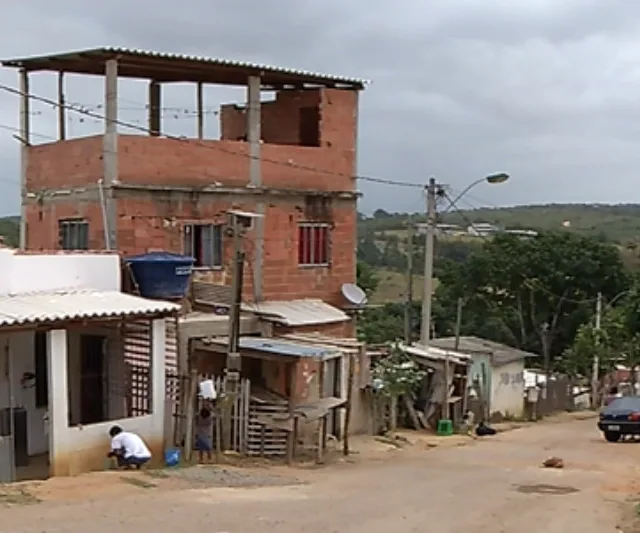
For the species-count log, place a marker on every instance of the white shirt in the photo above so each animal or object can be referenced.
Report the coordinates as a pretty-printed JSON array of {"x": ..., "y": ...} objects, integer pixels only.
[{"x": 132, "y": 445}]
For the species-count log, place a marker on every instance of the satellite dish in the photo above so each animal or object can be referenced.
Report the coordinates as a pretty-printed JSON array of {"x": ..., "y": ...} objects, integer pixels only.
[{"x": 354, "y": 294}]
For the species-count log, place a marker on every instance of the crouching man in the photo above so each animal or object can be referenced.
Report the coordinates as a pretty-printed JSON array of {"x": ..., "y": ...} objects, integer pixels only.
[{"x": 128, "y": 448}]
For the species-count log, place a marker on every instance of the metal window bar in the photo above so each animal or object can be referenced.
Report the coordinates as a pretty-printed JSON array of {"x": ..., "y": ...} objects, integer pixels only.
[{"x": 313, "y": 244}]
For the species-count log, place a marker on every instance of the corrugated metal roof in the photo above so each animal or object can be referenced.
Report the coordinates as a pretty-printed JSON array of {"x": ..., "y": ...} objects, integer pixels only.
[
  {"x": 274, "y": 346},
  {"x": 42, "y": 308},
  {"x": 65, "y": 61},
  {"x": 307, "y": 312},
  {"x": 436, "y": 354},
  {"x": 500, "y": 354}
]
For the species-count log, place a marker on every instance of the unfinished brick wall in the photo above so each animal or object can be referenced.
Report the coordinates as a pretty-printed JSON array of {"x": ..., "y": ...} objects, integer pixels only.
[
  {"x": 149, "y": 221},
  {"x": 281, "y": 118}
]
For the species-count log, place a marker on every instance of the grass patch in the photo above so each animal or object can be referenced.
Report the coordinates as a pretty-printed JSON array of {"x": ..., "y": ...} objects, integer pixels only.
[
  {"x": 13, "y": 497},
  {"x": 392, "y": 286},
  {"x": 138, "y": 482}
]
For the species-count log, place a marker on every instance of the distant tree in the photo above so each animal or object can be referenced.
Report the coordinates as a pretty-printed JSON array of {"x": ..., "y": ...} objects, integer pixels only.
[
  {"x": 381, "y": 213},
  {"x": 511, "y": 287},
  {"x": 366, "y": 278}
]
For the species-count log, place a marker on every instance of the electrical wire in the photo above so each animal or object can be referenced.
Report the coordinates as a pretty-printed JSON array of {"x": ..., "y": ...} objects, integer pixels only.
[
  {"x": 215, "y": 147},
  {"x": 529, "y": 283}
]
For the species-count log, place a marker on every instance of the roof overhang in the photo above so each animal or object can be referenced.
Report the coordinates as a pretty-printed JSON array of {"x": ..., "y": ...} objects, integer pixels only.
[
  {"x": 296, "y": 313},
  {"x": 164, "y": 67},
  {"x": 49, "y": 308}
]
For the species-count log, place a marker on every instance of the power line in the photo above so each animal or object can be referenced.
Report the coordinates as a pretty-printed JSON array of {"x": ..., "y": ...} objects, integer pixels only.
[
  {"x": 526, "y": 281},
  {"x": 93, "y": 114}
]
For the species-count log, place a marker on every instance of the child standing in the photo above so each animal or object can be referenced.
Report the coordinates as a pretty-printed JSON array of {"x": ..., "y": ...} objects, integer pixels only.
[{"x": 204, "y": 434}]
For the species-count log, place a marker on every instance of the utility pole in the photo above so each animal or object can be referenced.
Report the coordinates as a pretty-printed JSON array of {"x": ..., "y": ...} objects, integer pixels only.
[
  {"x": 425, "y": 330},
  {"x": 447, "y": 362},
  {"x": 408, "y": 305},
  {"x": 595, "y": 378},
  {"x": 546, "y": 355},
  {"x": 232, "y": 370},
  {"x": 456, "y": 344}
]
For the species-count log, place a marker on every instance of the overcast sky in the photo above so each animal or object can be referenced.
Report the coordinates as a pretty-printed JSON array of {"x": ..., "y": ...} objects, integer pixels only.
[{"x": 547, "y": 90}]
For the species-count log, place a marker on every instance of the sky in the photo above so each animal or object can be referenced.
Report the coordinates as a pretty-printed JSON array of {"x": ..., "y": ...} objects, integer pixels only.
[{"x": 546, "y": 90}]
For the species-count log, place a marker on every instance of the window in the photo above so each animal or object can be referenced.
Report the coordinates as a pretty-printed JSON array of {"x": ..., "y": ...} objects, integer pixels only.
[
  {"x": 74, "y": 234},
  {"x": 313, "y": 244},
  {"x": 203, "y": 242},
  {"x": 40, "y": 365}
]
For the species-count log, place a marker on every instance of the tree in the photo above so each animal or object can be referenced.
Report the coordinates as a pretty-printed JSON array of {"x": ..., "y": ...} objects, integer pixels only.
[
  {"x": 512, "y": 287},
  {"x": 616, "y": 342},
  {"x": 366, "y": 278}
]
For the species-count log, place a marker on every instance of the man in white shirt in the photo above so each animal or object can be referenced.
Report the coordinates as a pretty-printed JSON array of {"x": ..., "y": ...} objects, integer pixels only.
[{"x": 128, "y": 448}]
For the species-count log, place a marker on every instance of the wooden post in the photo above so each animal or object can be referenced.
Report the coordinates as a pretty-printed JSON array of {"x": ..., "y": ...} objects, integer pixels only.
[
  {"x": 347, "y": 418},
  {"x": 191, "y": 407},
  {"x": 319, "y": 453},
  {"x": 291, "y": 448}
]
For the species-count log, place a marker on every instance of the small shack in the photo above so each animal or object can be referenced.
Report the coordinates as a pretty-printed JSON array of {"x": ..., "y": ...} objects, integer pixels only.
[{"x": 289, "y": 391}]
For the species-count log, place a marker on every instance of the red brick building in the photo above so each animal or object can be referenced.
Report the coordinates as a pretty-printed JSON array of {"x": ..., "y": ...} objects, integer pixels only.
[{"x": 291, "y": 158}]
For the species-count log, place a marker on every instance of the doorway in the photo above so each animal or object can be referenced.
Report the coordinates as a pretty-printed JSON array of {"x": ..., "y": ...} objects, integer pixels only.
[
  {"x": 92, "y": 379},
  {"x": 332, "y": 388}
]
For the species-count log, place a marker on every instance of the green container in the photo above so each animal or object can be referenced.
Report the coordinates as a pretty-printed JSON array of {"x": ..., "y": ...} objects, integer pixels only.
[{"x": 445, "y": 428}]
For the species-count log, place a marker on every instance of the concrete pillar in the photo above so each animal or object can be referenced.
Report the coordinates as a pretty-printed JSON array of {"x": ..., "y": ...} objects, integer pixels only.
[
  {"x": 199, "y": 110},
  {"x": 25, "y": 137},
  {"x": 62, "y": 125},
  {"x": 158, "y": 349},
  {"x": 58, "y": 402},
  {"x": 155, "y": 109},
  {"x": 110, "y": 149},
  {"x": 254, "y": 120}
]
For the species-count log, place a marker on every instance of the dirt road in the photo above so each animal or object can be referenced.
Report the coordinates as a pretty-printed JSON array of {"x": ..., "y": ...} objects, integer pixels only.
[{"x": 487, "y": 487}]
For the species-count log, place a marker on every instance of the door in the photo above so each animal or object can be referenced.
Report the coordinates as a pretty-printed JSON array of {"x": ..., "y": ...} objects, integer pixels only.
[{"x": 92, "y": 379}]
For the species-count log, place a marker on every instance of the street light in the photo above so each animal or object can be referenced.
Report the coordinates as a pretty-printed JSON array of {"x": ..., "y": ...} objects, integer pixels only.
[{"x": 432, "y": 192}]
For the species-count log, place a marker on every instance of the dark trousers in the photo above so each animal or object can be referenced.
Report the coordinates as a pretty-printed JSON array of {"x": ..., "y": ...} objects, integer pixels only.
[{"x": 131, "y": 462}]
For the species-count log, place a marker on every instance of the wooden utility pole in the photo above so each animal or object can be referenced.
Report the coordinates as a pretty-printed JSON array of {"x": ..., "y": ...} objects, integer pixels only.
[
  {"x": 408, "y": 304},
  {"x": 232, "y": 369},
  {"x": 546, "y": 355},
  {"x": 456, "y": 344}
]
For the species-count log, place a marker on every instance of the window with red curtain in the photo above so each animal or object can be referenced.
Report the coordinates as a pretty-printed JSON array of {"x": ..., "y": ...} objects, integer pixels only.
[{"x": 313, "y": 244}]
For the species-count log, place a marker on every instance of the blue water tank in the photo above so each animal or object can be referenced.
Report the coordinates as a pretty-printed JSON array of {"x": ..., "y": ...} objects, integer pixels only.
[{"x": 161, "y": 274}]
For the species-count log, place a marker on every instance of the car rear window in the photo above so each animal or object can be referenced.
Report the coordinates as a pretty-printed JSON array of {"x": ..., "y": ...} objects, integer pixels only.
[{"x": 629, "y": 402}]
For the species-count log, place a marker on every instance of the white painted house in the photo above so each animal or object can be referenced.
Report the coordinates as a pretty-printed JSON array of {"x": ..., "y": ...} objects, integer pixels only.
[
  {"x": 69, "y": 369},
  {"x": 497, "y": 371}
]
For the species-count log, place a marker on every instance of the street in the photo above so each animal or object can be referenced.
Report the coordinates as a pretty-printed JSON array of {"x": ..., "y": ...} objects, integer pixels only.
[{"x": 496, "y": 485}]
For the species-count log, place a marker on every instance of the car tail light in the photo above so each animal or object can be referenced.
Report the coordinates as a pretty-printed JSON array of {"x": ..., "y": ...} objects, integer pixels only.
[{"x": 634, "y": 417}]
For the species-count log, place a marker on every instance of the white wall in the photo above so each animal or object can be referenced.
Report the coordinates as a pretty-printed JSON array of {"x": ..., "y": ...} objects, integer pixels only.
[
  {"x": 50, "y": 272},
  {"x": 507, "y": 389},
  {"x": 21, "y": 347}
]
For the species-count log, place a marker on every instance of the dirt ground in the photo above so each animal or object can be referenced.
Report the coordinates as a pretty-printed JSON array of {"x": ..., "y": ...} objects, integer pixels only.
[{"x": 493, "y": 485}]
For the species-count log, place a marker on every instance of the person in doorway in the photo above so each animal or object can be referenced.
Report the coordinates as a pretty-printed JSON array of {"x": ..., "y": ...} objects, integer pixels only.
[
  {"x": 128, "y": 448},
  {"x": 204, "y": 433}
]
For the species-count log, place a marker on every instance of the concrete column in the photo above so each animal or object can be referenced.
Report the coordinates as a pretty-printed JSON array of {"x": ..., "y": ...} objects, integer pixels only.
[
  {"x": 253, "y": 130},
  {"x": 62, "y": 126},
  {"x": 155, "y": 109},
  {"x": 199, "y": 108},
  {"x": 58, "y": 402},
  {"x": 110, "y": 149},
  {"x": 254, "y": 120},
  {"x": 25, "y": 137},
  {"x": 158, "y": 349}
]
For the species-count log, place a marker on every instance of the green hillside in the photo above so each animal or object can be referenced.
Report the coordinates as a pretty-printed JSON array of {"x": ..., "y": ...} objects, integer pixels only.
[{"x": 620, "y": 223}]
